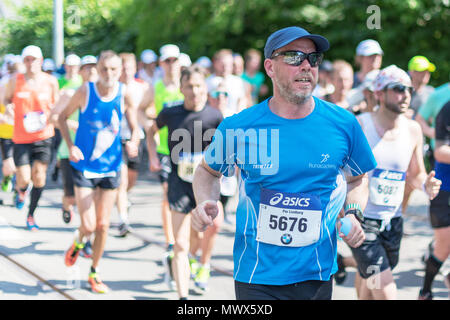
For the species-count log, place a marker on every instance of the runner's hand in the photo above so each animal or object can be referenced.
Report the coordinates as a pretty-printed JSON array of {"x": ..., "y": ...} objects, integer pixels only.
[
  {"x": 75, "y": 154},
  {"x": 356, "y": 236},
  {"x": 155, "y": 165},
  {"x": 432, "y": 185},
  {"x": 203, "y": 215},
  {"x": 132, "y": 149}
]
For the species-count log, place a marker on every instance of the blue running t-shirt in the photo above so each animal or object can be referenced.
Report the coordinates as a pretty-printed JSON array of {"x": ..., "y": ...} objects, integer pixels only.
[{"x": 292, "y": 188}]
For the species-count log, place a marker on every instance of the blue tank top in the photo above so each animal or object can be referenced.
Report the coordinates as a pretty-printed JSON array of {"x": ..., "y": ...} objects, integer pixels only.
[{"x": 98, "y": 135}]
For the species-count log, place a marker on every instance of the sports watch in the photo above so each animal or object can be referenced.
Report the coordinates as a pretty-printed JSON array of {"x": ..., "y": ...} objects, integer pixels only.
[{"x": 354, "y": 208}]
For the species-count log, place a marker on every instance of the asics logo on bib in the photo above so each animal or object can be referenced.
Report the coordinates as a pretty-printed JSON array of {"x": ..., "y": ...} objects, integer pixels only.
[
  {"x": 391, "y": 175},
  {"x": 289, "y": 201}
]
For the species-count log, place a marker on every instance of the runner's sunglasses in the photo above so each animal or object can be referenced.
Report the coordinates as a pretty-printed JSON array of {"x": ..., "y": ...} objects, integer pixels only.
[
  {"x": 400, "y": 88},
  {"x": 296, "y": 58}
]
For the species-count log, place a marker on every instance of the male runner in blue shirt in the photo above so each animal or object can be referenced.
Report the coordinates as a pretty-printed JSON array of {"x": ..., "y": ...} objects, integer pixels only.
[{"x": 301, "y": 160}]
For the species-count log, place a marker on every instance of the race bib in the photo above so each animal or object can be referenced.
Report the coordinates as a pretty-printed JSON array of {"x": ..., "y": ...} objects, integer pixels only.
[
  {"x": 34, "y": 121},
  {"x": 187, "y": 163},
  {"x": 289, "y": 219},
  {"x": 94, "y": 175},
  {"x": 387, "y": 187}
]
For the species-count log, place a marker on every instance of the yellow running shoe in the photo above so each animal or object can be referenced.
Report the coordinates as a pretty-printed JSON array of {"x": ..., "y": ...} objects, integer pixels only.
[{"x": 97, "y": 285}]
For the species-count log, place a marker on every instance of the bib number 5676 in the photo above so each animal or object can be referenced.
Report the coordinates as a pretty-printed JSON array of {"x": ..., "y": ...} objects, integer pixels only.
[{"x": 282, "y": 223}]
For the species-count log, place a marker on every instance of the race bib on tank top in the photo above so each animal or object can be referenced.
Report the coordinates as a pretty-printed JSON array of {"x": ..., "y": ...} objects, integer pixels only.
[{"x": 387, "y": 187}]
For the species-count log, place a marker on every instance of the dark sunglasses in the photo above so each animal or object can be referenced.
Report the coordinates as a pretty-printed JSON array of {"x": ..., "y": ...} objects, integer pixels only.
[
  {"x": 216, "y": 94},
  {"x": 296, "y": 58},
  {"x": 399, "y": 88}
]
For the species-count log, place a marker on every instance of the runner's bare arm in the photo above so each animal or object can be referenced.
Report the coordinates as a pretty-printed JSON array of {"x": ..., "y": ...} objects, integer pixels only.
[
  {"x": 151, "y": 146},
  {"x": 146, "y": 109},
  {"x": 357, "y": 193},
  {"x": 9, "y": 91},
  {"x": 442, "y": 152},
  {"x": 131, "y": 116},
  {"x": 416, "y": 176},
  {"x": 76, "y": 102},
  {"x": 358, "y": 190},
  {"x": 55, "y": 89},
  {"x": 63, "y": 100},
  {"x": 206, "y": 186}
]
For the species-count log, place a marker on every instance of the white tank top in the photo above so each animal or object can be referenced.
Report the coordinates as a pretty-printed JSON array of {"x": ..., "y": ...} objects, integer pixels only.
[{"x": 387, "y": 180}]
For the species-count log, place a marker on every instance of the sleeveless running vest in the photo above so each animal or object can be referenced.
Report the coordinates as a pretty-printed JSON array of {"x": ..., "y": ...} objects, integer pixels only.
[
  {"x": 163, "y": 97},
  {"x": 98, "y": 135},
  {"x": 387, "y": 180},
  {"x": 31, "y": 110}
]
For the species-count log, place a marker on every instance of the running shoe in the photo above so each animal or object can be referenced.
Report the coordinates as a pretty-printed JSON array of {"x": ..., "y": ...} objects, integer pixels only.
[
  {"x": 67, "y": 215},
  {"x": 7, "y": 184},
  {"x": 425, "y": 295},
  {"x": 87, "y": 250},
  {"x": 124, "y": 229},
  {"x": 31, "y": 224},
  {"x": 19, "y": 199},
  {"x": 96, "y": 284},
  {"x": 194, "y": 266},
  {"x": 72, "y": 254},
  {"x": 341, "y": 274},
  {"x": 202, "y": 277},
  {"x": 429, "y": 252},
  {"x": 168, "y": 273}
]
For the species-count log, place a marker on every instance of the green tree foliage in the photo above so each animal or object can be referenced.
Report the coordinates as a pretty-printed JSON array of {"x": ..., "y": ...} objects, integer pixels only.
[
  {"x": 90, "y": 26},
  {"x": 200, "y": 27}
]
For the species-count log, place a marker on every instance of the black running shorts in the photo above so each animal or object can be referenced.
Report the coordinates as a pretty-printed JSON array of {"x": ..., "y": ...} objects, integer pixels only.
[
  {"x": 6, "y": 146},
  {"x": 306, "y": 290},
  {"x": 180, "y": 194},
  {"x": 25, "y": 154},
  {"x": 80, "y": 181},
  {"x": 440, "y": 210},
  {"x": 166, "y": 165},
  {"x": 380, "y": 250},
  {"x": 67, "y": 177},
  {"x": 132, "y": 163}
]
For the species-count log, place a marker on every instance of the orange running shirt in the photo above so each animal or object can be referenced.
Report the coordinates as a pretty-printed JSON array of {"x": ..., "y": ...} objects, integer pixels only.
[{"x": 32, "y": 110}]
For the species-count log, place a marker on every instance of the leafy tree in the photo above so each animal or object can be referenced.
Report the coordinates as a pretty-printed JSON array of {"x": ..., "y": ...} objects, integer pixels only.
[
  {"x": 200, "y": 27},
  {"x": 90, "y": 26}
]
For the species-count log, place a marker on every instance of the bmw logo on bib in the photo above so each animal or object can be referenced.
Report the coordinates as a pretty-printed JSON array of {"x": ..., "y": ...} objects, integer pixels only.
[{"x": 286, "y": 238}]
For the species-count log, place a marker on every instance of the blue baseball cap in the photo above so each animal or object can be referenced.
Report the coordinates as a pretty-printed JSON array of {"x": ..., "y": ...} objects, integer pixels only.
[{"x": 284, "y": 36}]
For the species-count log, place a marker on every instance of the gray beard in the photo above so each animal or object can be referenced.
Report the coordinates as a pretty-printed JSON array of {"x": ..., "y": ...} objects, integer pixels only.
[{"x": 297, "y": 99}]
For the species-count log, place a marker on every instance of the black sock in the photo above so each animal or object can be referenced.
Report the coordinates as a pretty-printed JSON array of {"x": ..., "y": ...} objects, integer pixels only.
[
  {"x": 432, "y": 266},
  {"x": 35, "y": 196},
  {"x": 23, "y": 189},
  {"x": 93, "y": 270}
]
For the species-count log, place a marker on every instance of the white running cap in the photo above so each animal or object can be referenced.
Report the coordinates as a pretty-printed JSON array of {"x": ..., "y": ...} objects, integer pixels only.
[
  {"x": 72, "y": 60},
  {"x": 204, "y": 62},
  {"x": 32, "y": 51},
  {"x": 169, "y": 51},
  {"x": 48, "y": 65},
  {"x": 148, "y": 56},
  {"x": 368, "y": 47},
  {"x": 185, "y": 60},
  {"x": 391, "y": 74},
  {"x": 89, "y": 59}
]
